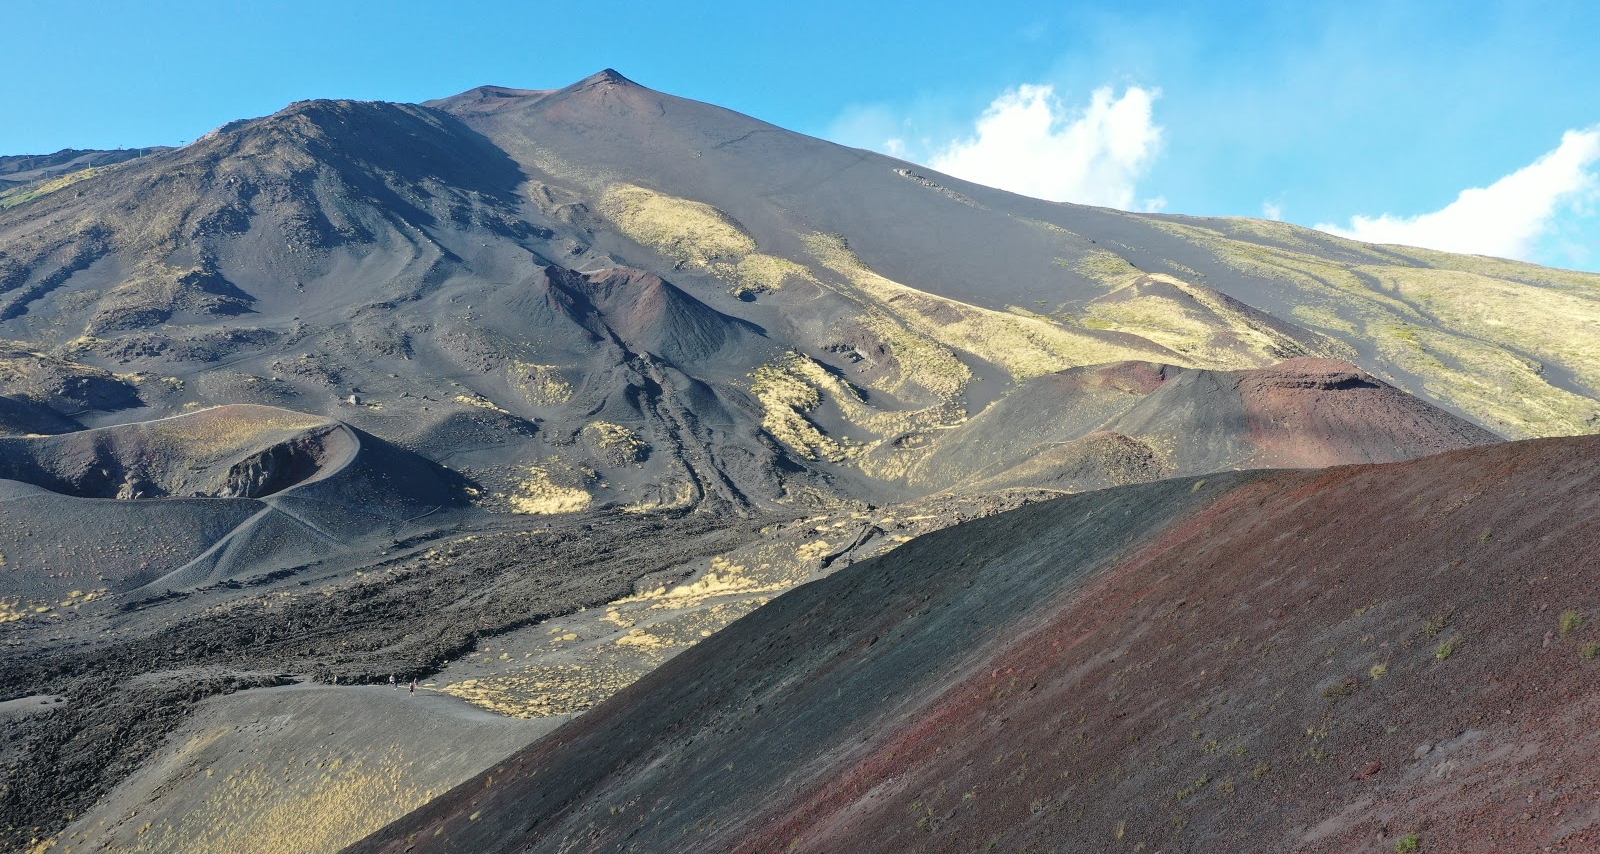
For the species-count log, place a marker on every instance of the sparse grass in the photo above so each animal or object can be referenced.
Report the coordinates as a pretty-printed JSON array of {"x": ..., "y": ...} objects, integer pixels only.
[
  {"x": 543, "y": 385},
  {"x": 786, "y": 396},
  {"x": 688, "y": 232},
  {"x": 1378, "y": 671},
  {"x": 23, "y": 195},
  {"x": 1408, "y": 844},
  {"x": 1448, "y": 648},
  {"x": 1589, "y": 651},
  {"x": 618, "y": 444},
  {"x": 538, "y": 494},
  {"x": 1342, "y": 689},
  {"x": 1481, "y": 317},
  {"x": 1023, "y": 346},
  {"x": 1571, "y": 621},
  {"x": 1194, "y": 788}
]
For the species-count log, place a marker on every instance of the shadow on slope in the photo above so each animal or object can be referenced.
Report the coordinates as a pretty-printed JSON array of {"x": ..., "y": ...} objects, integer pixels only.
[
  {"x": 221, "y": 495},
  {"x": 1375, "y": 650}
]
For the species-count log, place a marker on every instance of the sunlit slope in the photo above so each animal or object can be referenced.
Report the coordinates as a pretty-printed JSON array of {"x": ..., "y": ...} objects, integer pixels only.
[
  {"x": 771, "y": 214},
  {"x": 607, "y": 296},
  {"x": 295, "y": 770},
  {"x": 1514, "y": 345}
]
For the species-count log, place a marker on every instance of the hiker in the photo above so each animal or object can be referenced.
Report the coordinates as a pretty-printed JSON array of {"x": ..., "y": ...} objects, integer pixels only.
[
  {"x": 392, "y": 683},
  {"x": 413, "y": 684}
]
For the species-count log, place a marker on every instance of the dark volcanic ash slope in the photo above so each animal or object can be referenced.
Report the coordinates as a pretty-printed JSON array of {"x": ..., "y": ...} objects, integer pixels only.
[
  {"x": 1239, "y": 292},
  {"x": 1376, "y": 651},
  {"x": 376, "y": 263},
  {"x": 221, "y": 495},
  {"x": 1106, "y": 425},
  {"x": 627, "y": 318}
]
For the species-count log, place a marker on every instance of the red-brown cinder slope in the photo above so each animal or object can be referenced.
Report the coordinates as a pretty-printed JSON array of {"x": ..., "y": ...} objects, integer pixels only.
[{"x": 1282, "y": 661}]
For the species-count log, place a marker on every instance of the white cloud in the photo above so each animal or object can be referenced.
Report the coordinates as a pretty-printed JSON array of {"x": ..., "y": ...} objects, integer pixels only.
[
  {"x": 1272, "y": 211},
  {"x": 1029, "y": 142},
  {"x": 1506, "y": 218}
]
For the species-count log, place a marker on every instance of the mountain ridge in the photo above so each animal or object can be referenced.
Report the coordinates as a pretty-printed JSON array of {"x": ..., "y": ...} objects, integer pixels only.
[{"x": 658, "y": 362}]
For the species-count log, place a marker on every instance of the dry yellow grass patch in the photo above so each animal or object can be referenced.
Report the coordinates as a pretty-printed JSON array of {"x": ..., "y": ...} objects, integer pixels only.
[
  {"x": 1023, "y": 346},
  {"x": 220, "y": 431},
  {"x": 616, "y": 443},
  {"x": 1198, "y": 330},
  {"x": 539, "y": 495},
  {"x": 542, "y": 385},
  {"x": 785, "y": 398},
  {"x": 699, "y": 236},
  {"x": 302, "y": 810},
  {"x": 20, "y": 195},
  {"x": 480, "y": 402},
  {"x": 688, "y": 232},
  {"x": 1104, "y": 267},
  {"x": 761, "y": 273},
  {"x": 1451, "y": 327}
]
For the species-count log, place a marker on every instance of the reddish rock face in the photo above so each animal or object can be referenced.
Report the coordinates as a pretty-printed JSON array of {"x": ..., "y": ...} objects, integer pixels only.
[
  {"x": 1300, "y": 413},
  {"x": 1364, "y": 649}
]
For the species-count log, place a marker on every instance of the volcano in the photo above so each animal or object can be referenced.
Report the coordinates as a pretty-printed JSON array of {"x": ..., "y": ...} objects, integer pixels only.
[{"x": 533, "y": 394}]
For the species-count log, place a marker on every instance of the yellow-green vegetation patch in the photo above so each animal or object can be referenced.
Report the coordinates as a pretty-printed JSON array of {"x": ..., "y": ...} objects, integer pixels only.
[
  {"x": 699, "y": 236},
  {"x": 1554, "y": 324},
  {"x": 480, "y": 402},
  {"x": 689, "y": 232},
  {"x": 1501, "y": 268},
  {"x": 885, "y": 443},
  {"x": 1023, "y": 346},
  {"x": 1462, "y": 330},
  {"x": 672, "y": 495},
  {"x": 539, "y": 494},
  {"x": 760, "y": 273},
  {"x": 25, "y": 194},
  {"x": 616, "y": 443},
  {"x": 327, "y": 805},
  {"x": 786, "y": 396},
  {"x": 1102, "y": 266},
  {"x": 542, "y": 385},
  {"x": 724, "y": 578},
  {"x": 212, "y": 433},
  {"x": 923, "y": 363},
  {"x": 14, "y": 609},
  {"x": 1205, "y": 329}
]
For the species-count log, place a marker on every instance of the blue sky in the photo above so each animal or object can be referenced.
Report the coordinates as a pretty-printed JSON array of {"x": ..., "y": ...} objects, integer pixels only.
[{"x": 1378, "y": 119}]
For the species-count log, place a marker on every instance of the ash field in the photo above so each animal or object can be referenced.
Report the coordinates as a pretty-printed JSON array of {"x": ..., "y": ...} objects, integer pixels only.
[{"x": 596, "y": 469}]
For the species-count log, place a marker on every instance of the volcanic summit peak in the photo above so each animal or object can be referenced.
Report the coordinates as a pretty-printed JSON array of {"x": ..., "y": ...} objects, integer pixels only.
[{"x": 606, "y": 75}]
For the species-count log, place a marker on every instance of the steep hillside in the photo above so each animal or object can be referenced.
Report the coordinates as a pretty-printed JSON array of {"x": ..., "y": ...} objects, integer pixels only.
[
  {"x": 1168, "y": 421},
  {"x": 529, "y": 391},
  {"x": 1436, "y": 324},
  {"x": 1382, "y": 653},
  {"x": 219, "y": 496},
  {"x": 394, "y": 255}
]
